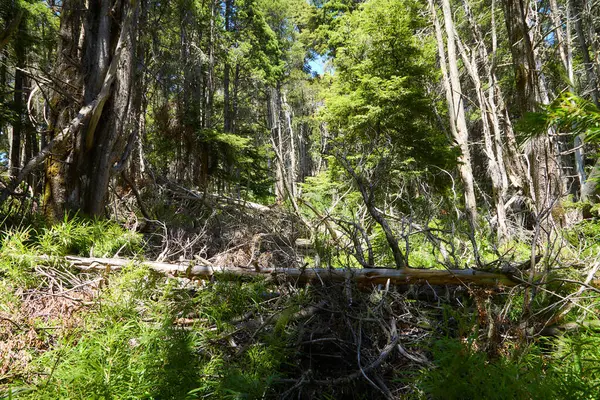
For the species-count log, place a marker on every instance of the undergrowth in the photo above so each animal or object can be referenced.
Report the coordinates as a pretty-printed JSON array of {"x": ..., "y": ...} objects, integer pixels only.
[
  {"x": 139, "y": 335},
  {"x": 558, "y": 368},
  {"x": 130, "y": 344}
]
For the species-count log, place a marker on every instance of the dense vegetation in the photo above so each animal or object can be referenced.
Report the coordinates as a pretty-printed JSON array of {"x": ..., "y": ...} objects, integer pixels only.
[{"x": 278, "y": 199}]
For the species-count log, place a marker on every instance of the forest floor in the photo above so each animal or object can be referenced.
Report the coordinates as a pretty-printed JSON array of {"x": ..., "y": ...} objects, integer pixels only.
[{"x": 134, "y": 333}]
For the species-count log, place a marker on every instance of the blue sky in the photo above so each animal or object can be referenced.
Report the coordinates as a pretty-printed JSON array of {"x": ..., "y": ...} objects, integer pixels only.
[{"x": 318, "y": 64}]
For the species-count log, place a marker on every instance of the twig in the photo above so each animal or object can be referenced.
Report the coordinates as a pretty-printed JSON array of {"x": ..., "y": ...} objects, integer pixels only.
[{"x": 11, "y": 321}]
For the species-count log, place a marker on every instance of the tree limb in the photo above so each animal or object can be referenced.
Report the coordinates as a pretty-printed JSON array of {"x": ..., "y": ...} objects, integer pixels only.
[{"x": 363, "y": 277}]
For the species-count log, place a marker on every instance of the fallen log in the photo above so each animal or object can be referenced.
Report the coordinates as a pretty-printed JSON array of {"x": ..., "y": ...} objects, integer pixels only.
[
  {"x": 363, "y": 277},
  {"x": 216, "y": 199}
]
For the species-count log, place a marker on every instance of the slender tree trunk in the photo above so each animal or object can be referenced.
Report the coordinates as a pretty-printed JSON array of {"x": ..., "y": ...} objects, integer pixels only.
[
  {"x": 489, "y": 121},
  {"x": 560, "y": 36},
  {"x": 368, "y": 198},
  {"x": 292, "y": 172},
  {"x": 568, "y": 64},
  {"x": 461, "y": 134},
  {"x": 13, "y": 26},
  {"x": 591, "y": 18},
  {"x": 591, "y": 189},
  {"x": 235, "y": 100},
  {"x": 577, "y": 7},
  {"x": 209, "y": 90},
  {"x": 17, "y": 131},
  {"x": 281, "y": 178},
  {"x": 208, "y": 101},
  {"x": 227, "y": 118},
  {"x": 3, "y": 84},
  {"x": 31, "y": 138},
  {"x": 515, "y": 170}
]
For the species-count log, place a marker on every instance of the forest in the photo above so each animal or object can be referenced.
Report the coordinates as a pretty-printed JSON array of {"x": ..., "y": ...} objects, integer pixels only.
[{"x": 300, "y": 199}]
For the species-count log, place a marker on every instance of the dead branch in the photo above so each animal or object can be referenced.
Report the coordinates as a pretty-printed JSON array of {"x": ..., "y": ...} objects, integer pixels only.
[{"x": 362, "y": 277}]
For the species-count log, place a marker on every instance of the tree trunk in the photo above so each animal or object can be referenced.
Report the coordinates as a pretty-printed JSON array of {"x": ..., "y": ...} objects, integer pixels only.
[
  {"x": 85, "y": 148},
  {"x": 111, "y": 136},
  {"x": 292, "y": 164},
  {"x": 488, "y": 121},
  {"x": 15, "y": 141},
  {"x": 274, "y": 111},
  {"x": 227, "y": 117},
  {"x": 568, "y": 46},
  {"x": 584, "y": 49},
  {"x": 10, "y": 30},
  {"x": 365, "y": 277},
  {"x": 31, "y": 138},
  {"x": 69, "y": 68},
  {"x": 460, "y": 131},
  {"x": 3, "y": 84},
  {"x": 543, "y": 168},
  {"x": 366, "y": 192},
  {"x": 590, "y": 191}
]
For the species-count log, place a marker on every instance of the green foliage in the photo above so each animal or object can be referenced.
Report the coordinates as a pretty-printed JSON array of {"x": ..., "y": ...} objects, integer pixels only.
[
  {"x": 220, "y": 303},
  {"x": 127, "y": 343},
  {"x": 422, "y": 253},
  {"x": 322, "y": 20},
  {"x": 568, "y": 113},
  {"x": 118, "y": 355},
  {"x": 129, "y": 347},
  {"x": 20, "y": 248},
  {"x": 97, "y": 238},
  {"x": 261, "y": 43},
  {"x": 547, "y": 368},
  {"x": 321, "y": 190},
  {"x": 576, "y": 366},
  {"x": 584, "y": 236},
  {"x": 16, "y": 258},
  {"x": 462, "y": 372},
  {"x": 586, "y": 230},
  {"x": 376, "y": 107}
]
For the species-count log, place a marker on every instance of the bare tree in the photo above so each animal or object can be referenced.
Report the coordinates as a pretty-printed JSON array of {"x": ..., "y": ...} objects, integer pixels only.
[{"x": 458, "y": 124}]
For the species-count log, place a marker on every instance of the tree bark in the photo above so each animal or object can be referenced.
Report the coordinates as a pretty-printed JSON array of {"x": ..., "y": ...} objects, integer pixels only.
[
  {"x": 488, "y": 123},
  {"x": 85, "y": 148},
  {"x": 227, "y": 117},
  {"x": 292, "y": 164},
  {"x": 461, "y": 134},
  {"x": 546, "y": 185},
  {"x": 111, "y": 137},
  {"x": 590, "y": 191},
  {"x": 3, "y": 83},
  {"x": 274, "y": 112},
  {"x": 366, "y": 192},
  {"x": 568, "y": 64},
  {"x": 364, "y": 277},
  {"x": 18, "y": 109},
  {"x": 584, "y": 49}
]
